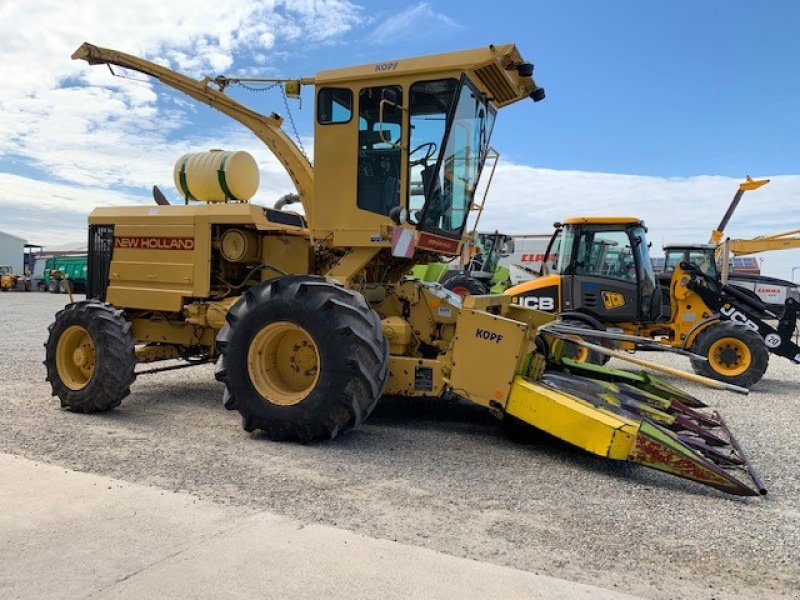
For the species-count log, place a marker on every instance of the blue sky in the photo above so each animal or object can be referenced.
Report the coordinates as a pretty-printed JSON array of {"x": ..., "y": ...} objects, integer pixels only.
[
  {"x": 652, "y": 88},
  {"x": 654, "y": 109}
]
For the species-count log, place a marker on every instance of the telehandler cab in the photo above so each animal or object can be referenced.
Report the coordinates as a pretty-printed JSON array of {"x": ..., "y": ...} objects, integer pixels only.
[
  {"x": 310, "y": 318},
  {"x": 600, "y": 276}
]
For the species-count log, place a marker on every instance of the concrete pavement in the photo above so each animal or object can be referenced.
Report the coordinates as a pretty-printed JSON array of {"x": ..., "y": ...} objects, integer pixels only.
[{"x": 65, "y": 534}]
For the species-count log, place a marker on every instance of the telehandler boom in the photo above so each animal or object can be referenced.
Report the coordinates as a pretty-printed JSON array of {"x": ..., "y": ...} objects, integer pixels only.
[{"x": 310, "y": 318}]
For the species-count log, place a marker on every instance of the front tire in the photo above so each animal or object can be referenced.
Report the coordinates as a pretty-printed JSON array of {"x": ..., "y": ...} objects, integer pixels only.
[
  {"x": 90, "y": 356},
  {"x": 581, "y": 353},
  {"x": 736, "y": 355},
  {"x": 463, "y": 285},
  {"x": 302, "y": 358}
]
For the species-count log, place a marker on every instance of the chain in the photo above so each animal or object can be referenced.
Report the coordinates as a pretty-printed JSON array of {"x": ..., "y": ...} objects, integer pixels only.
[
  {"x": 251, "y": 88},
  {"x": 285, "y": 103},
  {"x": 291, "y": 121}
]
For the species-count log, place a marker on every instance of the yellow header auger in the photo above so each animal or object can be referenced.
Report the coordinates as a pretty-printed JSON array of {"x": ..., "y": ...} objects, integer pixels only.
[{"x": 310, "y": 318}]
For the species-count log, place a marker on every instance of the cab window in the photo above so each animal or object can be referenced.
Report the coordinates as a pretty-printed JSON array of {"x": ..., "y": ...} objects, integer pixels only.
[
  {"x": 429, "y": 105},
  {"x": 379, "y": 153},
  {"x": 334, "y": 106},
  {"x": 605, "y": 254}
]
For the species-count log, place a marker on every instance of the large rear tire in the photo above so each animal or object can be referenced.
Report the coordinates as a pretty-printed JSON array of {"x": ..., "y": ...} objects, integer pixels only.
[
  {"x": 736, "y": 354},
  {"x": 90, "y": 356},
  {"x": 302, "y": 358}
]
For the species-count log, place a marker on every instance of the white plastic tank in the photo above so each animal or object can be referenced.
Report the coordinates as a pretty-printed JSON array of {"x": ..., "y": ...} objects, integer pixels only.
[{"x": 217, "y": 176}]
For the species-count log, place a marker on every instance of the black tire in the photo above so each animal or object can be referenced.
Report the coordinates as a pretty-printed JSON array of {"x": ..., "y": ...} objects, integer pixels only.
[
  {"x": 572, "y": 350},
  {"x": 42, "y": 287},
  {"x": 114, "y": 356},
  {"x": 759, "y": 354},
  {"x": 352, "y": 349},
  {"x": 464, "y": 285},
  {"x": 65, "y": 286},
  {"x": 53, "y": 286}
]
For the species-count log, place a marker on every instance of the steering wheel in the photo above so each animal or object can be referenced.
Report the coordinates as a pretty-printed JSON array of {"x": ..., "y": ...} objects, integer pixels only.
[{"x": 431, "y": 146}]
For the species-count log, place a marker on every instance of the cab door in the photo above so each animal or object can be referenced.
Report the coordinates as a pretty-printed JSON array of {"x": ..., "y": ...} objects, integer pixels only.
[{"x": 604, "y": 276}]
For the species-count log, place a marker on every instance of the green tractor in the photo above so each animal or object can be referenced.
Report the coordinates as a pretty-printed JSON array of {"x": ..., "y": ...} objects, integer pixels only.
[{"x": 483, "y": 274}]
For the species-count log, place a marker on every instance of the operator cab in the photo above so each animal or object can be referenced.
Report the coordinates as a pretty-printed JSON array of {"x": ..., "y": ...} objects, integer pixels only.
[
  {"x": 605, "y": 268},
  {"x": 699, "y": 255},
  {"x": 491, "y": 248},
  {"x": 410, "y": 139}
]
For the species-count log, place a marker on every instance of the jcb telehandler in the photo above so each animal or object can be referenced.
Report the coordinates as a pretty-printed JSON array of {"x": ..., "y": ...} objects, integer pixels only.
[
  {"x": 600, "y": 276},
  {"x": 309, "y": 317}
]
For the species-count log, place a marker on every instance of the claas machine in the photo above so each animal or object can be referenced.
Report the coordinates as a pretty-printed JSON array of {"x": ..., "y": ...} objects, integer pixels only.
[
  {"x": 600, "y": 277},
  {"x": 310, "y": 318}
]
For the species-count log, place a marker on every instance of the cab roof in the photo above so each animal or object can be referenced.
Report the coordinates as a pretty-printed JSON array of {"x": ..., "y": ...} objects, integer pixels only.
[
  {"x": 679, "y": 246},
  {"x": 602, "y": 221},
  {"x": 492, "y": 68}
]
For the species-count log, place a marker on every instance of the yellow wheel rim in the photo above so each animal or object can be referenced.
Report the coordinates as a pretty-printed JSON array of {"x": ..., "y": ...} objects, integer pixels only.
[
  {"x": 729, "y": 356},
  {"x": 574, "y": 351},
  {"x": 75, "y": 357},
  {"x": 581, "y": 354},
  {"x": 283, "y": 363}
]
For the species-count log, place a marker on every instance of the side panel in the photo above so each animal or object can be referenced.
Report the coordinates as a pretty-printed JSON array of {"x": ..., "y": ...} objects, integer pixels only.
[
  {"x": 154, "y": 265},
  {"x": 610, "y": 300},
  {"x": 540, "y": 294},
  {"x": 414, "y": 377},
  {"x": 289, "y": 253},
  {"x": 571, "y": 419},
  {"x": 487, "y": 355}
]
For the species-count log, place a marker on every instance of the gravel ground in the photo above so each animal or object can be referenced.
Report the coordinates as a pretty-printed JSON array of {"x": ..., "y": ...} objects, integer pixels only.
[{"x": 440, "y": 474}]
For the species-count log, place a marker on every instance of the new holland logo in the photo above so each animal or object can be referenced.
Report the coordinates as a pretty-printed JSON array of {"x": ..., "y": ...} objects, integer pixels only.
[
  {"x": 154, "y": 243},
  {"x": 612, "y": 300}
]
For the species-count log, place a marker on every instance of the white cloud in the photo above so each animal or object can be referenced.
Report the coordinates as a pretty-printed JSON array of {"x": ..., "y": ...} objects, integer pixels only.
[
  {"x": 79, "y": 124},
  {"x": 107, "y": 140},
  {"x": 416, "y": 21},
  {"x": 676, "y": 209}
]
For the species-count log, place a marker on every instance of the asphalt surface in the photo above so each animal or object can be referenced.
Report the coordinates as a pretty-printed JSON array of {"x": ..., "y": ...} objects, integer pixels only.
[{"x": 439, "y": 474}]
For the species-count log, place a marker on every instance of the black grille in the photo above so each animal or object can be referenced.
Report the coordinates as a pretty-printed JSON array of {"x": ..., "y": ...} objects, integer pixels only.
[
  {"x": 589, "y": 299},
  {"x": 101, "y": 247},
  {"x": 277, "y": 216}
]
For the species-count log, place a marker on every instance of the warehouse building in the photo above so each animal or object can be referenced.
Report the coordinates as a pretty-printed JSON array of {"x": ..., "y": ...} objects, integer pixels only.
[{"x": 12, "y": 249}]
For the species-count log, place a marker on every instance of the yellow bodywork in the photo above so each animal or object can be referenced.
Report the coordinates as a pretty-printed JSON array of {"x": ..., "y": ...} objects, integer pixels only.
[
  {"x": 8, "y": 280},
  {"x": 572, "y": 419}
]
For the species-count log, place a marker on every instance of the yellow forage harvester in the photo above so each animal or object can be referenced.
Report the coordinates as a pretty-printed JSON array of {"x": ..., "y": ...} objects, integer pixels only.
[{"x": 308, "y": 314}]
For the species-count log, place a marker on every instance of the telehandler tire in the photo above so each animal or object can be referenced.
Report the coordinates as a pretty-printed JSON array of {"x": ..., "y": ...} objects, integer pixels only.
[
  {"x": 580, "y": 353},
  {"x": 302, "y": 358},
  {"x": 90, "y": 356},
  {"x": 463, "y": 285},
  {"x": 736, "y": 354}
]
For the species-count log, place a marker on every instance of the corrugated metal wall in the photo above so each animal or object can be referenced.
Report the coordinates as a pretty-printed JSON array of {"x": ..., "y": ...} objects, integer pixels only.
[{"x": 11, "y": 251}]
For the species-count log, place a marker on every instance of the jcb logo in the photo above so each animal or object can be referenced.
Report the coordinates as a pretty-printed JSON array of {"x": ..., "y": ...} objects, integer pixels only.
[
  {"x": 738, "y": 317},
  {"x": 490, "y": 336},
  {"x": 538, "y": 303},
  {"x": 612, "y": 300}
]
